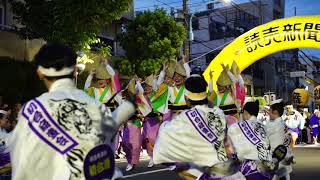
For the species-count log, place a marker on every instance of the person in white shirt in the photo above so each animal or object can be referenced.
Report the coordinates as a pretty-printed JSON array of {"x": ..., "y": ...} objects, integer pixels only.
[
  {"x": 251, "y": 145},
  {"x": 5, "y": 165},
  {"x": 278, "y": 134},
  {"x": 64, "y": 134},
  {"x": 295, "y": 122},
  {"x": 195, "y": 137}
]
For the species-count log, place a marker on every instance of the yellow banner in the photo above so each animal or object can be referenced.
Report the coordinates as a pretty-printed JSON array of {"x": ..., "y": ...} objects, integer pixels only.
[{"x": 278, "y": 35}]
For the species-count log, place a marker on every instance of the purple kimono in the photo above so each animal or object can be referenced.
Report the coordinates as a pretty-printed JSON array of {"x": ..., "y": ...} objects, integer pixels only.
[{"x": 314, "y": 123}]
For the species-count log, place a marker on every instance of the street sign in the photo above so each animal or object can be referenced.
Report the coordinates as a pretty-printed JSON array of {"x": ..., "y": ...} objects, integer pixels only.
[{"x": 297, "y": 74}]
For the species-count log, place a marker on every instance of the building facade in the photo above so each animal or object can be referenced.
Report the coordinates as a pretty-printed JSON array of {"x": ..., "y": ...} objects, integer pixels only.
[
  {"x": 11, "y": 45},
  {"x": 220, "y": 24}
]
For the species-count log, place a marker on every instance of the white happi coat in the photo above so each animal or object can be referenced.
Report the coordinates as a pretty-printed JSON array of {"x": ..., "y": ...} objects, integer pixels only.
[
  {"x": 250, "y": 141},
  {"x": 195, "y": 135},
  {"x": 278, "y": 134},
  {"x": 56, "y": 131},
  {"x": 295, "y": 120}
]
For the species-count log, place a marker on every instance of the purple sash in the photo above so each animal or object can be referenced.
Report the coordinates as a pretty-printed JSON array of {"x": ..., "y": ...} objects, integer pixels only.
[
  {"x": 47, "y": 129},
  {"x": 249, "y": 169},
  {"x": 200, "y": 125},
  {"x": 248, "y": 132}
]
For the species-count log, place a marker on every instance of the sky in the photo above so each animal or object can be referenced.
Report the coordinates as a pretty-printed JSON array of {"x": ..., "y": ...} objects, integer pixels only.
[{"x": 303, "y": 7}]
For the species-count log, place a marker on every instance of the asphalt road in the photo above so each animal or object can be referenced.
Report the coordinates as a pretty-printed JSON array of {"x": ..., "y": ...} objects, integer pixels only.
[{"x": 306, "y": 168}]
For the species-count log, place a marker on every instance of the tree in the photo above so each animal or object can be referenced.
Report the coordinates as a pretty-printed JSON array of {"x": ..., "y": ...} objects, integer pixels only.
[
  {"x": 149, "y": 40},
  {"x": 73, "y": 22}
]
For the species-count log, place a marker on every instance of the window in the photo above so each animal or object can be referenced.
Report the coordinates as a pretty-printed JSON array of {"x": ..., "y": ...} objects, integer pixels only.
[{"x": 1, "y": 14}]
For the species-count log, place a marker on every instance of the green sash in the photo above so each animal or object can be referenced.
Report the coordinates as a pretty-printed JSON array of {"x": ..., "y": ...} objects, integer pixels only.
[
  {"x": 224, "y": 97},
  {"x": 106, "y": 89},
  {"x": 135, "y": 122},
  {"x": 181, "y": 91},
  {"x": 160, "y": 101}
]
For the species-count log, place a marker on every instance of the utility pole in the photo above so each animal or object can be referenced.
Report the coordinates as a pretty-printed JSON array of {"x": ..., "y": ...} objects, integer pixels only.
[{"x": 186, "y": 43}]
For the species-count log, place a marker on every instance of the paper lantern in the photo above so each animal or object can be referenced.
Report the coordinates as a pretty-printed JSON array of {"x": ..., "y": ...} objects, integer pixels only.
[
  {"x": 316, "y": 93},
  {"x": 300, "y": 97}
]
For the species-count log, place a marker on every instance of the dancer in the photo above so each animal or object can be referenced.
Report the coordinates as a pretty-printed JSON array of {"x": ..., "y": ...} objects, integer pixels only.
[
  {"x": 196, "y": 137},
  {"x": 60, "y": 132},
  {"x": 278, "y": 134},
  {"x": 295, "y": 122},
  {"x": 105, "y": 86},
  {"x": 177, "y": 92},
  {"x": 152, "y": 120},
  {"x": 132, "y": 138},
  {"x": 224, "y": 97},
  {"x": 251, "y": 144}
]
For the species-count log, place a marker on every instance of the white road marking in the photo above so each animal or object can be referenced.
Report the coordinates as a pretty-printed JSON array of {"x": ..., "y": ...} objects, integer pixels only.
[
  {"x": 143, "y": 173},
  {"x": 307, "y": 146}
]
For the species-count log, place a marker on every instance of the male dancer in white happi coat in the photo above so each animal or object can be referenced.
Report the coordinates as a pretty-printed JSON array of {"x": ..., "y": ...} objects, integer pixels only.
[
  {"x": 251, "y": 144},
  {"x": 64, "y": 134},
  {"x": 278, "y": 134},
  {"x": 196, "y": 137}
]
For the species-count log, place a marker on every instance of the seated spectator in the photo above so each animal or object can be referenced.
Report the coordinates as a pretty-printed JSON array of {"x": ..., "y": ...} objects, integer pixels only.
[{"x": 5, "y": 165}]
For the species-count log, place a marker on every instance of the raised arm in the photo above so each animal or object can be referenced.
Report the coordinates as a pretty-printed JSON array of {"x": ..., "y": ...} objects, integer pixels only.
[
  {"x": 110, "y": 69},
  {"x": 232, "y": 77},
  {"x": 139, "y": 87},
  {"x": 89, "y": 80},
  {"x": 186, "y": 66},
  {"x": 161, "y": 78},
  {"x": 241, "y": 81}
]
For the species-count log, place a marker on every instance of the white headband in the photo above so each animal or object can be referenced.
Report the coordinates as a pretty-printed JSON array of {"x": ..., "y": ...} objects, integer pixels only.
[
  {"x": 276, "y": 101},
  {"x": 52, "y": 72}
]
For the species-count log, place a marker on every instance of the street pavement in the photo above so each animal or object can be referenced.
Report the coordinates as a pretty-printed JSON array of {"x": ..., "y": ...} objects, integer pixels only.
[{"x": 307, "y": 167}]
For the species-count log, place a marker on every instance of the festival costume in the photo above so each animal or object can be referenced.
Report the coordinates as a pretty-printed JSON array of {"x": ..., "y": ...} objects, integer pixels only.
[
  {"x": 295, "y": 122},
  {"x": 132, "y": 139},
  {"x": 278, "y": 134},
  {"x": 224, "y": 100},
  {"x": 250, "y": 142},
  {"x": 151, "y": 122},
  {"x": 196, "y": 136},
  {"x": 177, "y": 102},
  {"x": 105, "y": 94},
  {"x": 56, "y": 131},
  {"x": 314, "y": 124}
]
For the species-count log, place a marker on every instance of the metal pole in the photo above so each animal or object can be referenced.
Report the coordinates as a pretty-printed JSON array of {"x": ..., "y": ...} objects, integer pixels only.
[{"x": 186, "y": 46}]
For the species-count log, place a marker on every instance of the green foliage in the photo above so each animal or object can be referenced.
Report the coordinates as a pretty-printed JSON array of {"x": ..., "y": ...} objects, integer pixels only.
[
  {"x": 19, "y": 81},
  {"x": 73, "y": 22},
  {"x": 149, "y": 40},
  {"x": 262, "y": 102}
]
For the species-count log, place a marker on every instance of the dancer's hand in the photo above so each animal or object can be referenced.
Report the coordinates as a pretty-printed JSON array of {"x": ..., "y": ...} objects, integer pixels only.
[{"x": 210, "y": 74}]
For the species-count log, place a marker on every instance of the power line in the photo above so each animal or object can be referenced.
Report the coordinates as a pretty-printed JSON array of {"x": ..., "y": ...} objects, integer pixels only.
[
  {"x": 175, "y": 2},
  {"x": 169, "y": 4}
]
